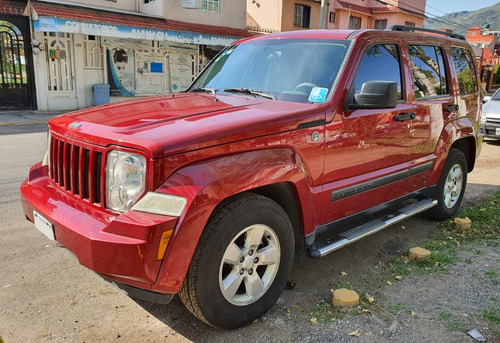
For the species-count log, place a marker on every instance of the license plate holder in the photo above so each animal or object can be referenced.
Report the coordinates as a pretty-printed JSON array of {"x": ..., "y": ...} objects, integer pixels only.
[
  {"x": 497, "y": 131},
  {"x": 43, "y": 225}
]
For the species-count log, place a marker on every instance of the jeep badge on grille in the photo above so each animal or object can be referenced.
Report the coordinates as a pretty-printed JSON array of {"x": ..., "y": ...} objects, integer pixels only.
[{"x": 75, "y": 125}]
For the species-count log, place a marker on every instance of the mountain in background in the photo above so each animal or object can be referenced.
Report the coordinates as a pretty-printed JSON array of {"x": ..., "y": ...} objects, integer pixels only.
[{"x": 459, "y": 22}]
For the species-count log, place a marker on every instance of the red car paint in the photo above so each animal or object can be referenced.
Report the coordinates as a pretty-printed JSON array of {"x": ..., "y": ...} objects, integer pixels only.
[{"x": 208, "y": 147}]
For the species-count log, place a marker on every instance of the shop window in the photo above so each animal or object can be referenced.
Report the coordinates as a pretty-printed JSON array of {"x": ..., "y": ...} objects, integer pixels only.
[
  {"x": 211, "y": 5},
  {"x": 302, "y": 16},
  {"x": 354, "y": 23},
  {"x": 381, "y": 24},
  {"x": 427, "y": 65},
  {"x": 331, "y": 19}
]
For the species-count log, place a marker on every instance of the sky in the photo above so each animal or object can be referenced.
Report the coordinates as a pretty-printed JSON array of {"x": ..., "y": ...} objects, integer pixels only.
[{"x": 437, "y": 8}]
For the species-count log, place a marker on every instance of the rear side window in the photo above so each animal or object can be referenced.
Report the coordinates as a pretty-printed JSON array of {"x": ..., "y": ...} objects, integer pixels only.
[
  {"x": 465, "y": 70},
  {"x": 381, "y": 62},
  {"x": 427, "y": 66}
]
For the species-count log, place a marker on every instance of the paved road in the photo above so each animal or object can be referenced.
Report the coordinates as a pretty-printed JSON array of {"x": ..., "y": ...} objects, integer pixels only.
[{"x": 46, "y": 296}]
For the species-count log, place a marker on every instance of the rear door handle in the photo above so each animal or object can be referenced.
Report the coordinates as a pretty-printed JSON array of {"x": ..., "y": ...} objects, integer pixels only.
[
  {"x": 451, "y": 108},
  {"x": 405, "y": 116}
]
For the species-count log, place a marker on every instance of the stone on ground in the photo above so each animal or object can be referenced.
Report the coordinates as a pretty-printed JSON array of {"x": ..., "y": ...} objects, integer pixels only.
[
  {"x": 418, "y": 253},
  {"x": 345, "y": 298},
  {"x": 461, "y": 224}
]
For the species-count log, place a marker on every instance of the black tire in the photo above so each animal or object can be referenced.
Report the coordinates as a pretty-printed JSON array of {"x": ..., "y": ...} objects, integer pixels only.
[
  {"x": 451, "y": 186},
  {"x": 220, "y": 293}
]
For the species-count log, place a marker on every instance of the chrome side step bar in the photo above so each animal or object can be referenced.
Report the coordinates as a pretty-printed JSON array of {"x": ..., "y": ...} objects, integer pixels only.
[{"x": 318, "y": 250}]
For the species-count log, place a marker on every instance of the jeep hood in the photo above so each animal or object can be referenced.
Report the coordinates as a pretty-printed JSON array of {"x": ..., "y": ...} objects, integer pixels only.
[{"x": 172, "y": 124}]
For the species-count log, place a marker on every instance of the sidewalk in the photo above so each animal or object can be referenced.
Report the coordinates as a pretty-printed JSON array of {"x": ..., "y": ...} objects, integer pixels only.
[{"x": 27, "y": 117}]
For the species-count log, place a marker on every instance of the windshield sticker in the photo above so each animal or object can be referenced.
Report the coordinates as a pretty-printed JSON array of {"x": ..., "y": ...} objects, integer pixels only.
[{"x": 318, "y": 94}]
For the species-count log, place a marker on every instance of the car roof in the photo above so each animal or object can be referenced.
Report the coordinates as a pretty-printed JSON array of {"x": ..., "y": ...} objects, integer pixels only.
[{"x": 357, "y": 34}]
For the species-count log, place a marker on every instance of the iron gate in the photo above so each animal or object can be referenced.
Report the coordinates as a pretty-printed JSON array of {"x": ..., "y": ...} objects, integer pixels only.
[{"x": 14, "y": 76}]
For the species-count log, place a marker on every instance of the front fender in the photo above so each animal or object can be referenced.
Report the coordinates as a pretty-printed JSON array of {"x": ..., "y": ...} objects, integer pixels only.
[{"x": 205, "y": 184}]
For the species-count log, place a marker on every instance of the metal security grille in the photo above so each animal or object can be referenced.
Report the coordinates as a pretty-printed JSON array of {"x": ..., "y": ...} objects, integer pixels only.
[
  {"x": 77, "y": 169},
  {"x": 13, "y": 73},
  {"x": 57, "y": 47}
]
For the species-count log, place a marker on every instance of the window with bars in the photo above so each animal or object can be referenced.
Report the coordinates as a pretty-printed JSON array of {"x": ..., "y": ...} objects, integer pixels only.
[
  {"x": 354, "y": 23},
  {"x": 409, "y": 23},
  {"x": 302, "y": 16},
  {"x": 331, "y": 18},
  {"x": 93, "y": 53},
  {"x": 381, "y": 24},
  {"x": 211, "y": 5},
  {"x": 57, "y": 49}
]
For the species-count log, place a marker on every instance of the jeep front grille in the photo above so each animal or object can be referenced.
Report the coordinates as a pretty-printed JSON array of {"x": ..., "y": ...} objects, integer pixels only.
[{"x": 77, "y": 169}]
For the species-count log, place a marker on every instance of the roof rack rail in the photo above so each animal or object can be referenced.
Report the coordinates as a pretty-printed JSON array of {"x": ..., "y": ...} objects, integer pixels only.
[{"x": 421, "y": 29}]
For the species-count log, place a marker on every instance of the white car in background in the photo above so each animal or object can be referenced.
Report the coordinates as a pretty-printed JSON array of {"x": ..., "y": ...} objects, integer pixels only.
[{"x": 490, "y": 119}]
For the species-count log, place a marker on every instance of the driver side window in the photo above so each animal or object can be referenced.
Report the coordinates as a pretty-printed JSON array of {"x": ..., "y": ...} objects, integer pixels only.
[{"x": 381, "y": 62}]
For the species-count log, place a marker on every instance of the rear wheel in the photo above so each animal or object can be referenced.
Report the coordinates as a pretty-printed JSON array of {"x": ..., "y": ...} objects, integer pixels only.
[
  {"x": 451, "y": 186},
  {"x": 242, "y": 263}
]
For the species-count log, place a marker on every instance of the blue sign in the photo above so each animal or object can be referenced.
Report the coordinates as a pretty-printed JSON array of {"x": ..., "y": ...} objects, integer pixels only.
[
  {"x": 53, "y": 24},
  {"x": 318, "y": 94}
]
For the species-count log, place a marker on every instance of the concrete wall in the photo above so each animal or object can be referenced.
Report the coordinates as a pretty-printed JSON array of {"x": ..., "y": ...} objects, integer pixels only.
[
  {"x": 264, "y": 15},
  {"x": 126, "y": 5}
]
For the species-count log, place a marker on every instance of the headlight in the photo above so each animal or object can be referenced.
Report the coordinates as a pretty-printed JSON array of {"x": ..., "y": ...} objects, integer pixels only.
[
  {"x": 125, "y": 179},
  {"x": 483, "y": 117}
]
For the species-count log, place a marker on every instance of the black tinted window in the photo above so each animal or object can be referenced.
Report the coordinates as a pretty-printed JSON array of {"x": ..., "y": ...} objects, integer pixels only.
[
  {"x": 465, "y": 70},
  {"x": 381, "y": 62},
  {"x": 427, "y": 66}
]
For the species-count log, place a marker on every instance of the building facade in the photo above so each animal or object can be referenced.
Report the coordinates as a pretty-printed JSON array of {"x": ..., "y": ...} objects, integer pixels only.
[
  {"x": 268, "y": 16},
  {"x": 486, "y": 46},
  {"x": 137, "y": 47},
  {"x": 375, "y": 14}
]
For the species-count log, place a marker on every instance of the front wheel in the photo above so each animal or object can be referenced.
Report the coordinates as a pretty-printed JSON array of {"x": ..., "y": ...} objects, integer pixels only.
[
  {"x": 242, "y": 263},
  {"x": 451, "y": 186}
]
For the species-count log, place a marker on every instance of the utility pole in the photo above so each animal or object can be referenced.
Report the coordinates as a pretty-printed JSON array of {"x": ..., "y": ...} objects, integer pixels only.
[{"x": 322, "y": 18}]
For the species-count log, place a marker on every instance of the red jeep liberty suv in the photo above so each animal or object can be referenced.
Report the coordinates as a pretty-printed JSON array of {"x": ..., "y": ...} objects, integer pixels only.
[{"x": 210, "y": 193}]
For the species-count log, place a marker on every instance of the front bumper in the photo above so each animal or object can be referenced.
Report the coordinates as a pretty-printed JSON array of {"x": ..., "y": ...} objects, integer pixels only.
[
  {"x": 490, "y": 129},
  {"x": 120, "y": 247}
]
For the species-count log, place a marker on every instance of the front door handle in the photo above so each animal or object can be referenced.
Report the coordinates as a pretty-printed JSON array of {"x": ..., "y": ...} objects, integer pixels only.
[
  {"x": 451, "y": 108},
  {"x": 405, "y": 116}
]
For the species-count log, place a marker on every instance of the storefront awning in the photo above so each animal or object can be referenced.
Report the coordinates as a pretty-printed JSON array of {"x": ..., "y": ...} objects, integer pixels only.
[{"x": 72, "y": 19}]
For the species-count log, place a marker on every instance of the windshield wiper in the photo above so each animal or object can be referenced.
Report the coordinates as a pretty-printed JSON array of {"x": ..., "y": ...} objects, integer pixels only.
[
  {"x": 250, "y": 92},
  {"x": 206, "y": 90}
]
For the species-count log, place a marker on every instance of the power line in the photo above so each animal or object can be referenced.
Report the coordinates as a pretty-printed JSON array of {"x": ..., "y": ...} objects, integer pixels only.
[{"x": 435, "y": 17}]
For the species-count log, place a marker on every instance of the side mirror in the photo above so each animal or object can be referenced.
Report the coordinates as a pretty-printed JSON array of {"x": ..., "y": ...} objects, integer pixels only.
[
  {"x": 486, "y": 98},
  {"x": 376, "y": 94}
]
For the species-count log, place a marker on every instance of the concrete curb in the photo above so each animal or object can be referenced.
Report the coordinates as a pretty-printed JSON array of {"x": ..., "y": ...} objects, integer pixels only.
[{"x": 28, "y": 117}]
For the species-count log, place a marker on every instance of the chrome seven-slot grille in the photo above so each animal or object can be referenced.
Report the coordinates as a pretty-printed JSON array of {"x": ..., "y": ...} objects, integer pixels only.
[{"x": 76, "y": 169}]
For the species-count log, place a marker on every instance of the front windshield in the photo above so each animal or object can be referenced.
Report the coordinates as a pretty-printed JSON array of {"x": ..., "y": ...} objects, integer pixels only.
[
  {"x": 496, "y": 96},
  {"x": 296, "y": 70}
]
